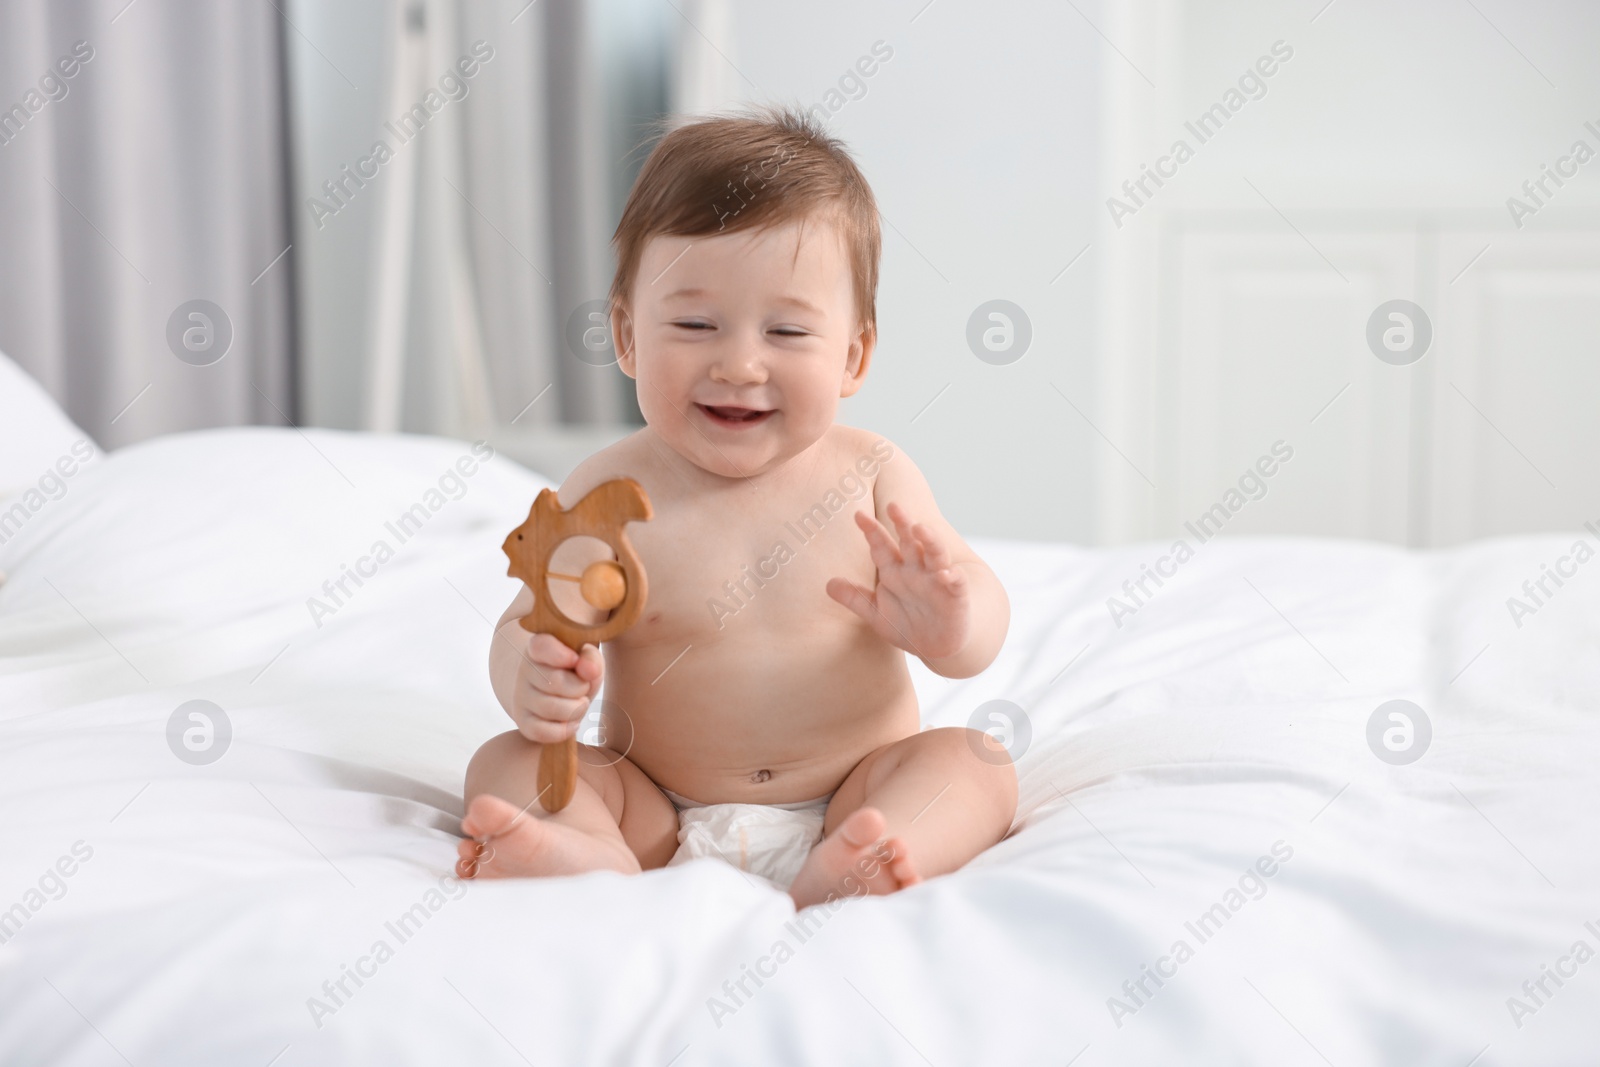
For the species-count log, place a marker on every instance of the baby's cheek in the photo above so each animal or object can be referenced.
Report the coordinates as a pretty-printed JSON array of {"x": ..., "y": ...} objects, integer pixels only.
[{"x": 811, "y": 415}]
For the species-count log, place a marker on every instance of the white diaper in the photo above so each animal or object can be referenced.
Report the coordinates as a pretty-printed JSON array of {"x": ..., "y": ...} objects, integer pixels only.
[{"x": 770, "y": 841}]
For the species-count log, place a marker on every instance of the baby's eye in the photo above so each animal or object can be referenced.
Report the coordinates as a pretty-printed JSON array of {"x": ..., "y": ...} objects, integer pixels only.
[
  {"x": 693, "y": 324},
  {"x": 791, "y": 331}
]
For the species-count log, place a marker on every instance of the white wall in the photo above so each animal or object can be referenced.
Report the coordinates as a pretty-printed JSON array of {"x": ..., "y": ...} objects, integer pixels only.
[
  {"x": 1377, "y": 166},
  {"x": 1232, "y": 305},
  {"x": 980, "y": 137}
]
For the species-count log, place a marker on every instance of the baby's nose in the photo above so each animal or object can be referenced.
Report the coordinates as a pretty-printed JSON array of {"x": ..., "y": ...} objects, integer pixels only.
[{"x": 739, "y": 365}]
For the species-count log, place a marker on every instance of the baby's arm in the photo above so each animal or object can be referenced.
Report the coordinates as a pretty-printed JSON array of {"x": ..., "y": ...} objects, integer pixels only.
[{"x": 935, "y": 598}]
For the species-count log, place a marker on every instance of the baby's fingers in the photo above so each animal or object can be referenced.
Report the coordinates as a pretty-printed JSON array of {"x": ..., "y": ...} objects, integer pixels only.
[
  {"x": 590, "y": 664},
  {"x": 952, "y": 579},
  {"x": 547, "y": 651},
  {"x": 546, "y": 733},
  {"x": 903, "y": 527},
  {"x": 885, "y": 553},
  {"x": 552, "y": 720},
  {"x": 550, "y": 683},
  {"x": 934, "y": 555},
  {"x": 851, "y": 595}
]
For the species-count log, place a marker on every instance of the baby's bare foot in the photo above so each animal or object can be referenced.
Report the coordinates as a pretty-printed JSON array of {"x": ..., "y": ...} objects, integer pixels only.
[
  {"x": 507, "y": 843},
  {"x": 852, "y": 861}
]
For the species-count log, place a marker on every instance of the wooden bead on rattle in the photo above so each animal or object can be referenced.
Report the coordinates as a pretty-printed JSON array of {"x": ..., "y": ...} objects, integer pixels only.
[{"x": 603, "y": 585}]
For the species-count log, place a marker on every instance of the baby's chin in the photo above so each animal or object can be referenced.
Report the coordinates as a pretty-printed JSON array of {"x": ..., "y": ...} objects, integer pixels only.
[{"x": 744, "y": 454}]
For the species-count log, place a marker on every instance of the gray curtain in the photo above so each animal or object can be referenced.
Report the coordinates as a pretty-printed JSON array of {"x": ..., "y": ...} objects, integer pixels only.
[
  {"x": 438, "y": 299},
  {"x": 534, "y": 208},
  {"x": 143, "y": 167}
]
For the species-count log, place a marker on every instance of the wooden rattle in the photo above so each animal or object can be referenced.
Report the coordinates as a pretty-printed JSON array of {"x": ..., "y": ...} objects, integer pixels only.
[{"x": 616, "y": 585}]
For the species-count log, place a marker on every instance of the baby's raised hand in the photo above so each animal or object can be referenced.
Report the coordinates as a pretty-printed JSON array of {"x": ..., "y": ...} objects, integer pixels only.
[
  {"x": 921, "y": 603},
  {"x": 553, "y": 688}
]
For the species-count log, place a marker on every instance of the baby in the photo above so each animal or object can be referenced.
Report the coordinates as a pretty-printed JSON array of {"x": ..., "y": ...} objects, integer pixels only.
[{"x": 793, "y": 562}]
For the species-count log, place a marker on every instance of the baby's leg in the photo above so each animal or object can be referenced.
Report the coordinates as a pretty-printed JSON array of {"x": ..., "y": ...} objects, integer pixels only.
[
  {"x": 919, "y": 807},
  {"x": 617, "y": 820}
]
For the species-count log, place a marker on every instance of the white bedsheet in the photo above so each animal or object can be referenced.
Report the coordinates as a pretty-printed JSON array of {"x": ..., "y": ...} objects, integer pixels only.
[{"x": 1226, "y": 717}]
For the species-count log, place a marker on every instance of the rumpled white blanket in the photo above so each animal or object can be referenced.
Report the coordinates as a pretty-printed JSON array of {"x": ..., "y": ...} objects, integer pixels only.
[{"x": 288, "y": 903}]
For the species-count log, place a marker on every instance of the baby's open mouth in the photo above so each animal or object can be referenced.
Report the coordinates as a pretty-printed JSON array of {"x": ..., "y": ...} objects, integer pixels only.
[{"x": 734, "y": 416}]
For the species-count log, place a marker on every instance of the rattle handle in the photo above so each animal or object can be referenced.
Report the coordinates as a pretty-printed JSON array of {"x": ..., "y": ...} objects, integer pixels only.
[
  {"x": 558, "y": 773},
  {"x": 558, "y": 769}
]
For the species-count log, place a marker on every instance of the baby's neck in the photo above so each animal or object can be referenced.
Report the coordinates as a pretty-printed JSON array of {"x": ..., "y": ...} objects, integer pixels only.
[{"x": 695, "y": 477}]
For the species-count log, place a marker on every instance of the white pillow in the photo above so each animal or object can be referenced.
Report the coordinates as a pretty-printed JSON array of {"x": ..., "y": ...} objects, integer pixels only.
[{"x": 40, "y": 448}]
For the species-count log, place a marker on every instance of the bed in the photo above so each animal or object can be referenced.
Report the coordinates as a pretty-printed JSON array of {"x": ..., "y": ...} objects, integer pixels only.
[{"x": 267, "y": 884}]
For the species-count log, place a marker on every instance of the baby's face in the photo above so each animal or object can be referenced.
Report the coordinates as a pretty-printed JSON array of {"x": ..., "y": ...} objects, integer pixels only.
[{"x": 743, "y": 343}]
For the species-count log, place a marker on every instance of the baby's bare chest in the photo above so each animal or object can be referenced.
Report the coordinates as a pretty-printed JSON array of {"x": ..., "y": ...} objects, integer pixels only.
[{"x": 750, "y": 566}]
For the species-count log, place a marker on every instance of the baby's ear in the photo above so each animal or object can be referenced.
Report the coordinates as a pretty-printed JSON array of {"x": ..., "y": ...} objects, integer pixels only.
[
  {"x": 857, "y": 360},
  {"x": 622, "y": 339}
]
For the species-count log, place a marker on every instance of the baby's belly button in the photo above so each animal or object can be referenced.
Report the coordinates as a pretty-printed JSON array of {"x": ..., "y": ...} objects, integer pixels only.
[{"x": 767, "y": 778}]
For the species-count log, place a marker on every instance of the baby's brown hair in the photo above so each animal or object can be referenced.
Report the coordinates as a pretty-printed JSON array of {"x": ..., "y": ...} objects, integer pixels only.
[{"x": 739, "y": 172}]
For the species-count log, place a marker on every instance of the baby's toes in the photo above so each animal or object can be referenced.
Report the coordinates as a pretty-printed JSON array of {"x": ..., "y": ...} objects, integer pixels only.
[
  {"x": 487, "y": 816},
  {"x": 468, "y": 853},
  {"x": 898, "y": 863},
  {"x": 846, "y": 862},
  {"x": 861, "y": 828}
]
